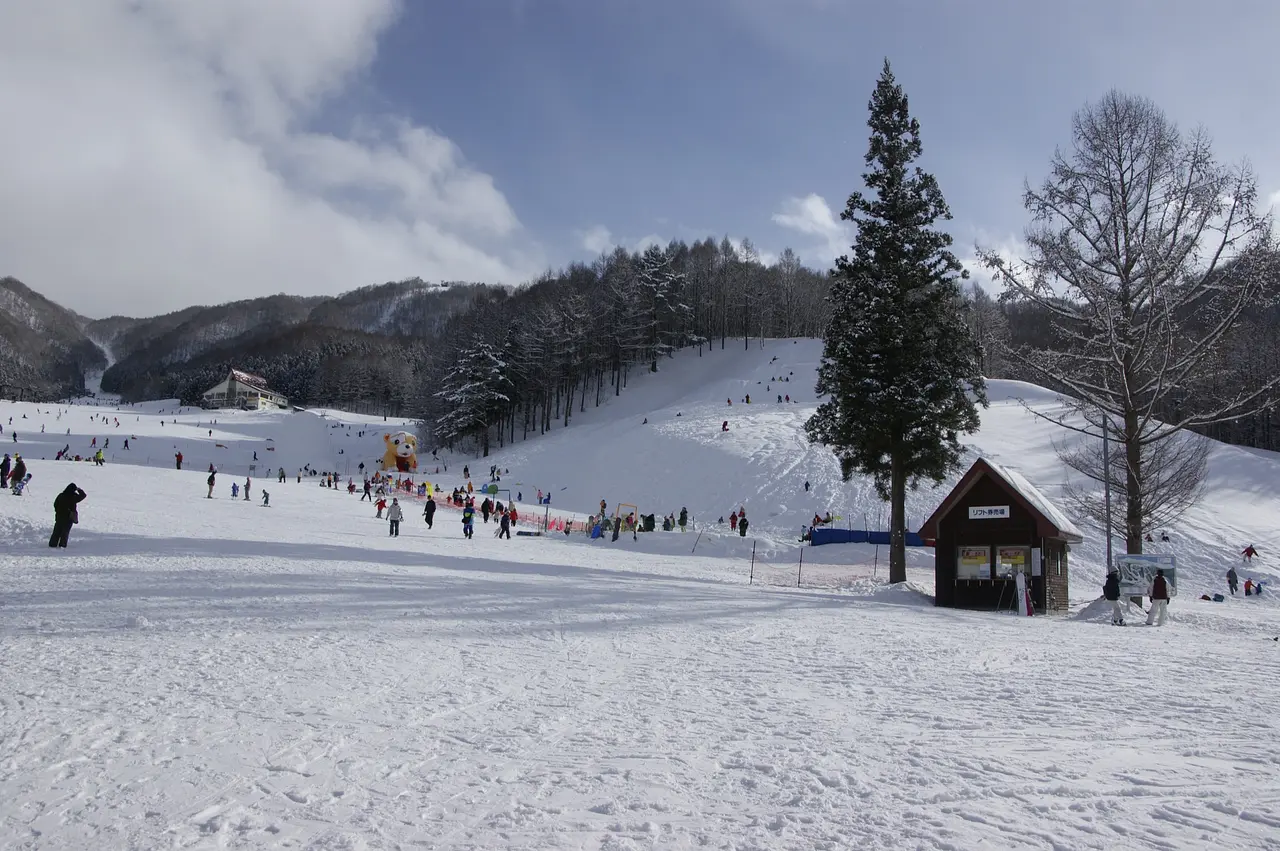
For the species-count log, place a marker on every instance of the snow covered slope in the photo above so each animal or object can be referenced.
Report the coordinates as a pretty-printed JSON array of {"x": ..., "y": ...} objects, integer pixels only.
[
  {"x": 197, "y": 673},
  {"x": 680, "y": 457}
]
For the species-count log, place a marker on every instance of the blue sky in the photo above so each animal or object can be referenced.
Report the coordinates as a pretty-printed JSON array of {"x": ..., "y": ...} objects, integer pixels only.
[
  {"x": 681, "y": 119},
  {"x": 202, "y": 152}
]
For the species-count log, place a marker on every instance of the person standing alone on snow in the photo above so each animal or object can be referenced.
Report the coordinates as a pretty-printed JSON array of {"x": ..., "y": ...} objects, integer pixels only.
[
  {"x": 1159, "y": 611},
  {"x": 429, "y": 512},
  {"x": 212, "y": 474},
  {"x": 65, "y": 514},
  {"x": 1111, "y": 591},
  {"x": 468, "y": 521},
  {"x": 1233, "y": 581},
  {"x": 394, "y": 515}
]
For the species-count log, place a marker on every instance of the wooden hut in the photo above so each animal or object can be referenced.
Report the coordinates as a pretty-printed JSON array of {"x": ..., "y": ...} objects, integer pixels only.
[{"x": 992, "y": 525}]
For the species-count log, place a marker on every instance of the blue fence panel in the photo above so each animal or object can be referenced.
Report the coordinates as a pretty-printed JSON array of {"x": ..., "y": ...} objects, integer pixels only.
[{"x": 859, "y": 536}]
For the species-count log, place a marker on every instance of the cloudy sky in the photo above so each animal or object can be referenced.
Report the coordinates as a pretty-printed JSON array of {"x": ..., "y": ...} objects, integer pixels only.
[{"x": 158, "y": 153}]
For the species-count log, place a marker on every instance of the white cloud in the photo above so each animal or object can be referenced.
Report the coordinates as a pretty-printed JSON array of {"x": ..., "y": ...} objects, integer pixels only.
[
  {"x": 164, "y": 152},
  {"x": 596, "y": 239},
  {"x": 1008, "y": 247},
  {"x": 812, "y": 217}
]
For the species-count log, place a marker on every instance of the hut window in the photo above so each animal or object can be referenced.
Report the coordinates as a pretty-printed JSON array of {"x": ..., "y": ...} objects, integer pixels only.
[
  {"x": 973, "y": 563},
  {"x": 1011, "y": 560}
]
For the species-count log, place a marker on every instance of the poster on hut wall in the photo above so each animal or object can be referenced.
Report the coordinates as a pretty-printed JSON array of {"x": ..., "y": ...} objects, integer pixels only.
[
  {"x": 974, "y": 563},
  {"x": 1013, "y": 560}
]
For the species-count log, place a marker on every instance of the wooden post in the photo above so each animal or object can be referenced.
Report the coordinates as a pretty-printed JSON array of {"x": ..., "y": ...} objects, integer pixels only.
[
  {"x": 752, "y": 578},
  {"x": 800, "y": 568},
  {"x": 695, "y": 544}
]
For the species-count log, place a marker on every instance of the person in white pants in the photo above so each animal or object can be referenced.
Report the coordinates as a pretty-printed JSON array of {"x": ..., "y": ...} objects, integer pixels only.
[{"x": 1159, "y": 611}]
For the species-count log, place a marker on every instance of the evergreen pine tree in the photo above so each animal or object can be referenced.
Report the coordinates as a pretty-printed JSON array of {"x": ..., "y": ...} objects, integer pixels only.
[{"x": 899, "y": 362}]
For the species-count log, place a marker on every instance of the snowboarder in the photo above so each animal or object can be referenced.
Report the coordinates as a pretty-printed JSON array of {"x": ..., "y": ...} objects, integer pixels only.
[
  {"x": 1111, "y": 591},
  {"x": 429, "y": 512},
  {"x": 684, "y": 518},
  {"x": 177, "y": 456},
  {"x": 209, "y": 481},
  {"x": 1159, "y": 611},
  {"x": 468, "y": 521},
  {"x": 1233, "y": 581},
  {"x": 266, "y": 499},
  {"x": 65, "y": 514},
  {"x": 394, "y": 515}
]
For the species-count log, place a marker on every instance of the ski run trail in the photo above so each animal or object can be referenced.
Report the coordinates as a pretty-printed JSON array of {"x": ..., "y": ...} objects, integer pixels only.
[{"x": 195, "y": 673}]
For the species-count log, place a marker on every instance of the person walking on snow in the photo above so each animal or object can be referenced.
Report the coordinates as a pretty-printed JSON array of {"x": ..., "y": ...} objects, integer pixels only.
[
  {"x": 1111, "y": 591},
  {"x": 65, "y": 514},
  {"x": 468, "y": 521},
  {"x": 1233, "y": 580},
  {"x": 1159, "y": 611},
  {"x": 380, "y": 504},
  {"x": 394, "y": 515},
  {"x": 177, "y": 456},
  {"x": 1248, "y": 587},
  {"x": 209, "y": 481},
  {"x": 504, "y": 526},
  {"x": 1249, "y": 552},
  {"x": 5, "y": 466},
  {"x": 429, "y": 512},
  {"x": 246, "y": 488},
  {"x": 742, "y": 525}
]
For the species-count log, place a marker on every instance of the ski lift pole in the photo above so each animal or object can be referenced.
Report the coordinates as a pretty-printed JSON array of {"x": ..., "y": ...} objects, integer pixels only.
[
  {"x": 751, "y": 579},
  {"x": 800, "y": 568}
]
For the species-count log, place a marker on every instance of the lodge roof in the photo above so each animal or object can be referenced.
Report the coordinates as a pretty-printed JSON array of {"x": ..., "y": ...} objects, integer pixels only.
[{"x": 1051, "y": 521}]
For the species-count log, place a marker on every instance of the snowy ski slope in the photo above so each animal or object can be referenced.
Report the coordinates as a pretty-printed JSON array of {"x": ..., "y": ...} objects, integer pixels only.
[{"x": 197, "y": 673}]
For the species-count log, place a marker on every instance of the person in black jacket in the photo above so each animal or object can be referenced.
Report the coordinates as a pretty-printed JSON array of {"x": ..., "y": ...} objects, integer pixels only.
[
  {"x": 64, "y": 514},
  {"x": 429, "y": 512},
  {"x": 1111, "y": 591}
]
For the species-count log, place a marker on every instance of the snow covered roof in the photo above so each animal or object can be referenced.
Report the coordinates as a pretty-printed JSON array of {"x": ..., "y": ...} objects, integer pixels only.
[
  {"x": 1019, "y": 487},
  {"x": 248, "y": 378},
  {"x": 1039, "y": 501}
]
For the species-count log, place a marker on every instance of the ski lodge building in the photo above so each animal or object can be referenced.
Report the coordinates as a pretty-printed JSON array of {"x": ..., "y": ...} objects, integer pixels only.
[
  {"x": 245, "y": 391},
  {"x": 993, "y": 525}
]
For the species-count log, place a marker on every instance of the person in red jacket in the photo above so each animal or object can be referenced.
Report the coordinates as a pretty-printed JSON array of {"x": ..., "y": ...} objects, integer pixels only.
[{"x": 1159, "y": 611}]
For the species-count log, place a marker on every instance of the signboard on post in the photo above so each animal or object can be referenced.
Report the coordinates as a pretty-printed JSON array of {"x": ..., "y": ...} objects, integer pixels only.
[
  {"x": 988, "y": 512},
  {"x": 1137, "y": 571}
]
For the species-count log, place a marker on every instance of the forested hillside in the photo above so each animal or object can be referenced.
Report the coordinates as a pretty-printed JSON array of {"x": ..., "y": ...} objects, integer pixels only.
[{"x": 44, "y": 352}]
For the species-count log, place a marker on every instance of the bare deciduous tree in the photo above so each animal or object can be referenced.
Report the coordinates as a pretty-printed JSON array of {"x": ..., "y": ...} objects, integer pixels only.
[
  {"x": 1172, "y": 480},
  {"x": 1146, "y": 252}
]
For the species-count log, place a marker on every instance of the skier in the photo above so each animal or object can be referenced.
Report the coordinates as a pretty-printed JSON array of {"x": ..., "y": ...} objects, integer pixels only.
[
  {"x": 281, "y": 475},
  {"x": 65, "y": 514},
  {"x": 246, "y": 488},
  {"x": 733, "y": 520},
  {"x": 126, "y": 443},
  {"x": 394, "y": 515},
  {"x": 255, "y": 455},
  {"x": 684, "y": 518},
  {"x": 806, "y": 487},
  {"x": 235, "y": 490},
  {"x": 177, "y": 456},
  {"x": 212, "y": 474},
  {"x": 466, "y": 471},
  {"x": 724, "y": 426},
  {"x": 468, "y": 521},
  {"x": 98, "y": 459},
  {"x": 1233, "y": 581},
  {"x": 1159, "y": 611},
  {"x": 504, "y": 526},
  {"x": 429, "y": 512},
  {"x": 1249, "y": 552},
  {"x": 1111, "y": 591},
  {"x": 266, "y": 499}
]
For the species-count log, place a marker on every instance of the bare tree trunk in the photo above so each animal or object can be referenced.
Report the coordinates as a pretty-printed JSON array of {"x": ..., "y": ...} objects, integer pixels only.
[{"x": 897, "y": 521}]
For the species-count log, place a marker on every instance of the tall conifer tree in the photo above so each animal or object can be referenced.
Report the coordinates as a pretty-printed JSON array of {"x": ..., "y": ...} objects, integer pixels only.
[{"x": 899, "y": 366}]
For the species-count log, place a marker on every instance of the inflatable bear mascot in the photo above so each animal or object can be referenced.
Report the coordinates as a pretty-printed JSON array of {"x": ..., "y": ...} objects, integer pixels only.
[{"x": 402, "y": 452}]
